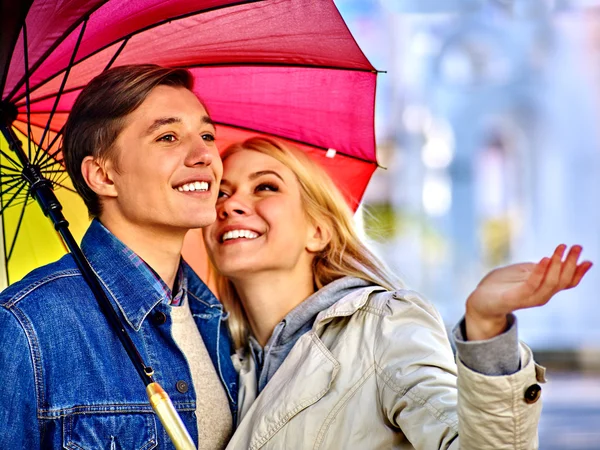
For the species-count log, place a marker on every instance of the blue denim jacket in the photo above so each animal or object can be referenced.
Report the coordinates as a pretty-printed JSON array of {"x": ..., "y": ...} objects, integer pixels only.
[{"x": 65, "y": 380}]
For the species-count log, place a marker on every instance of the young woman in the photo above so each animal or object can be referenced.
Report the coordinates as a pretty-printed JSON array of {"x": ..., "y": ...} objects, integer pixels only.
[{"x": 334, "y": 352}]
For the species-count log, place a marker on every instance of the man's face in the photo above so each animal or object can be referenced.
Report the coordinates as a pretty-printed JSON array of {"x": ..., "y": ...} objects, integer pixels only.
[{"x": 168, "y": 168}]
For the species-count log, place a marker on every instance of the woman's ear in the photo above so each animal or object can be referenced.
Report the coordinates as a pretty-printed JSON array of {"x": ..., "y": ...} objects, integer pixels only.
[
  {"x": 98, "y": 176},
  {"x": 318, "y": 238}
]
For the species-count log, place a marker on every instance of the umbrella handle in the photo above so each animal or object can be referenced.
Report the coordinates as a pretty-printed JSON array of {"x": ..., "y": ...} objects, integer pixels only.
[{"x": 164, "y": 409}]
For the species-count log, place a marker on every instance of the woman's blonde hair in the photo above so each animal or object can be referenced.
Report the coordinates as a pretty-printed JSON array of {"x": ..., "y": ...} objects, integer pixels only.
[{"x": 324, "y": 204}]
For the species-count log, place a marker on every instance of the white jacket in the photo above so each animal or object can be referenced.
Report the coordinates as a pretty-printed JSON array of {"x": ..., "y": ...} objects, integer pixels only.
[{"x": 377, "y": 369}]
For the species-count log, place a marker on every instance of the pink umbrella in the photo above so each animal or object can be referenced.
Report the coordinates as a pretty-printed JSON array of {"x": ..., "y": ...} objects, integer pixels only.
[{"x": 282, "y": 68}]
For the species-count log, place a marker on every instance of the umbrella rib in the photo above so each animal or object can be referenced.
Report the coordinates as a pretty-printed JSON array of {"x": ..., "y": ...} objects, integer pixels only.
[
  {"x": 280, "y": 64},
  {"x": 14, "y": 169},
  {"x": 65, "y": 187},
  {"x": 68, "y": 91},
  {"x": 41, "y": 161},
  {"x": 12, "y": 246},
  {"x": 61, "y": 177},
  {"x": 19, "y": 11},
  {"x": 138, "y": 31},
  {"x": 55, "y": 175},
  {"x": 54, "y": 46},
  {"x": 14, "y": 163},
  {"x": 50, "y": 163},
  {"x": 27, "y": 97},
  {"x": 117, "y": 53},
  {"x": 231, "y": 64},
  {"x": 10, "y": 178},
  {"x": 21, "y": 201},
  {"x": 297, "y": 141},
  {"x": 12, "y": 199},
  {"x": 64, "y": 81},
  {"x": 11, "y": 185}
]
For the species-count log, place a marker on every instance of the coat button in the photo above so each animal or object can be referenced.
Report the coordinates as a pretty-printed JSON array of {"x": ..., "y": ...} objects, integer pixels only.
[
  {"x": 182, "y": 386},
  {"x": 159, "y": 318},
  {"x": 532, "y": 394}
]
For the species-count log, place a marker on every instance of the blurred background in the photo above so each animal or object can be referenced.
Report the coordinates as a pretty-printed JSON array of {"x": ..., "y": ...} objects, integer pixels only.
[{"x": 487, "y": 126}]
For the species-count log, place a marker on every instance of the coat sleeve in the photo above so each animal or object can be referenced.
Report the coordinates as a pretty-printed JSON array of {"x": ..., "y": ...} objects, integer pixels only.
[
  {"x": 436, "y": 404},
  {"x": 20, "y": 427}
]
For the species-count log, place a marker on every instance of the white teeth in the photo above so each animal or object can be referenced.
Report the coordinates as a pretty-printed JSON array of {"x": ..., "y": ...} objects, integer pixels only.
[
  {"x": 194, "y": 186},
  {"x": 236, "y": 234}
]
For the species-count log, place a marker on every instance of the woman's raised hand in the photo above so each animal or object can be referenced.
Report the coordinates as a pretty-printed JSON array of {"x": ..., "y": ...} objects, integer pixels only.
[{"x": 520, "y": 286}]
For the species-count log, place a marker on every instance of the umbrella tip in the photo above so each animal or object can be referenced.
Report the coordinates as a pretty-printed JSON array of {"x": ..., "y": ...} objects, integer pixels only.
[{"x": 8, "y": 112}]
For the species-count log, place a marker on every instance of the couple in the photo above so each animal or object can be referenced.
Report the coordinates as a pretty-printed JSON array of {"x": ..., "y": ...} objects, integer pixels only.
[{"x": 331, "y": 352}]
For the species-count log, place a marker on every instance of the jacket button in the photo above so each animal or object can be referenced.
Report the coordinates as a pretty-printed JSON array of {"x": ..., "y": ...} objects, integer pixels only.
[
  {"x": 159, "y": 318},
  {"x": 182, "y": 386},
  {"x": 532, "y": 394}
]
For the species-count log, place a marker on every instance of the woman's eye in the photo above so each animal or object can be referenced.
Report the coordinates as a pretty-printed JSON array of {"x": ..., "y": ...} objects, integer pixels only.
[
  {"x": 267, "y": 187},
  {"x": 208, "y": 137},
  {"x": 222, "y": 194},
  {"x": 167, "y": 138}
]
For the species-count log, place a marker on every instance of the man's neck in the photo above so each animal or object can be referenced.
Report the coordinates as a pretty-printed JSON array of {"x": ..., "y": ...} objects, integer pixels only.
[
  {"x": 269, "y": 297},
  {"x": 158, "y": 247}
]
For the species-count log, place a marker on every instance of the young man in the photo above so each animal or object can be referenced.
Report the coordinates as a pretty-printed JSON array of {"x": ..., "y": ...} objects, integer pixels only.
[{"x": 140, "y": 149}]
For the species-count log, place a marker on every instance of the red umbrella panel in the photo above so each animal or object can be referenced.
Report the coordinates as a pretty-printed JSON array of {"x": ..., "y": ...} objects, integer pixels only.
[{"x": 280, "y": 68}]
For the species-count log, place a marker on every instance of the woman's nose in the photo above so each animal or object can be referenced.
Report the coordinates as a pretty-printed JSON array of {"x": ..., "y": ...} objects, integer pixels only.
[{"x": 231, "y": 207}]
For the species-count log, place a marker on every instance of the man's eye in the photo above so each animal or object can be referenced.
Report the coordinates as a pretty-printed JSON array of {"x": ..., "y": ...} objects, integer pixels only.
[
  {"x": 208, "y": 137},
  {"x": 222, "y": 194},
  {"x": 167, "y": 138}
]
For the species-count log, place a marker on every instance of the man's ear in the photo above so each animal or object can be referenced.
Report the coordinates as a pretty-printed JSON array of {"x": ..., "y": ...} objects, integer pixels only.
[
  {"x": 319, "y": 235},
  {"x": 98, "y": 176}
]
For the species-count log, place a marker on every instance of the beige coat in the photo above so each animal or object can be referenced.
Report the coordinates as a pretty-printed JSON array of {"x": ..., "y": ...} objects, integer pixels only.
[{"x": 377, "y": 366}]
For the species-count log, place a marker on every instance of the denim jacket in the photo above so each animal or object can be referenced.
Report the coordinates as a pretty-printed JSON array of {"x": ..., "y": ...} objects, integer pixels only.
[{"x": 65, "y": 379}]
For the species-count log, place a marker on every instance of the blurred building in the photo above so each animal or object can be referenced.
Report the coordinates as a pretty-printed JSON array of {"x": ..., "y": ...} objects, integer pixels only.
[{"x": 486, "y": 122}]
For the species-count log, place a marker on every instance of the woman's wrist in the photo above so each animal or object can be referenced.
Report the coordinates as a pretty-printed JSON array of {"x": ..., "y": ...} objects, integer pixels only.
[{"x": 480, "y": 328}]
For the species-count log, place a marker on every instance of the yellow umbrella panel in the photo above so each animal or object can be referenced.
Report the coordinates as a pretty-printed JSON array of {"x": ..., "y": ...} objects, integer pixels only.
[{"x": 28, "y": 237}]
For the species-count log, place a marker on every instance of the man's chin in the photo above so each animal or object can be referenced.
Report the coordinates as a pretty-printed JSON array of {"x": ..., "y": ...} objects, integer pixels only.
[{"x": 202, "y": 220}]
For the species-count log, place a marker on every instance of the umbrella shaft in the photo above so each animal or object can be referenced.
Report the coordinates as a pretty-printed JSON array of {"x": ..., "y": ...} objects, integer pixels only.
[{"x": 166, "y": 412}]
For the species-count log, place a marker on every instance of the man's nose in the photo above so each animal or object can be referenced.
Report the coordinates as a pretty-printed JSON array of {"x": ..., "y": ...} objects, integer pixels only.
[{"x": 201, "y": 153}]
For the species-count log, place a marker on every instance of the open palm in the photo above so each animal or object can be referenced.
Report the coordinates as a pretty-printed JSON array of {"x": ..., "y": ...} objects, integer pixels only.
[{"x": 520, "y": 286}]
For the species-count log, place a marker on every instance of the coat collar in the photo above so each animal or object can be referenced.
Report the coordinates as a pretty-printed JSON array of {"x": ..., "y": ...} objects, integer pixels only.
[
  {"x": 305, "y": 376},
  {"x": 349, "y": 303}
]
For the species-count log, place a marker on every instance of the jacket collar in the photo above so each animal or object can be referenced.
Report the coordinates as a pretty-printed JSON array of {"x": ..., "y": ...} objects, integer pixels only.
[
  {"x": 126, "y": 280},
  {"x": 351, "y": 294}
]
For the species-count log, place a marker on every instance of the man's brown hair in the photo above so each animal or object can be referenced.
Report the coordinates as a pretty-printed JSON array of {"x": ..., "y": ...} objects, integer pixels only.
[{"x": 98, "y": 116}]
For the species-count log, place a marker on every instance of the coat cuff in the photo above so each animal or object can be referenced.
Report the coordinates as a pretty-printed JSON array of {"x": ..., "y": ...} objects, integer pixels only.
[{"x": 493, "y": 357}]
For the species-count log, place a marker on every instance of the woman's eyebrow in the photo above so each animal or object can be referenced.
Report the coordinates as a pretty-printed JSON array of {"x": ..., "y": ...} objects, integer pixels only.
[{"x": 264, "y": 172}]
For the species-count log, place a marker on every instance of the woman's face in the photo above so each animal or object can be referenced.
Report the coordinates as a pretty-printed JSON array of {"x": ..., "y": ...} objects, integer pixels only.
[{"x": 261, "y": 225}]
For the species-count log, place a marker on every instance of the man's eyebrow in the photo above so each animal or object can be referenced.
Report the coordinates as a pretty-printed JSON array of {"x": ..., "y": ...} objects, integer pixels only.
[
  {"x": 171, "y": 120},
  {"x": 161, "y": 122}
]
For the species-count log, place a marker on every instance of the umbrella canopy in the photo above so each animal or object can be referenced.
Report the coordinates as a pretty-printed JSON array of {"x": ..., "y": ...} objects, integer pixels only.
[{"x": 281, "y": 68}]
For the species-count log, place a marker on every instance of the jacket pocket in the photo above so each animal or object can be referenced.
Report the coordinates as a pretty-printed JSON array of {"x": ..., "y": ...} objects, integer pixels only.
[{"x": 109, "y": 431}]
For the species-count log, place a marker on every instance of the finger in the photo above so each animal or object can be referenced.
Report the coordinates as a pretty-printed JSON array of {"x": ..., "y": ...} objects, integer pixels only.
[
  {"x": 552, "y": 277},
  {"x": 538, "y": 274},
  {"x": 581, "y": 270},
  {"x": 569, "y": 267}
]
